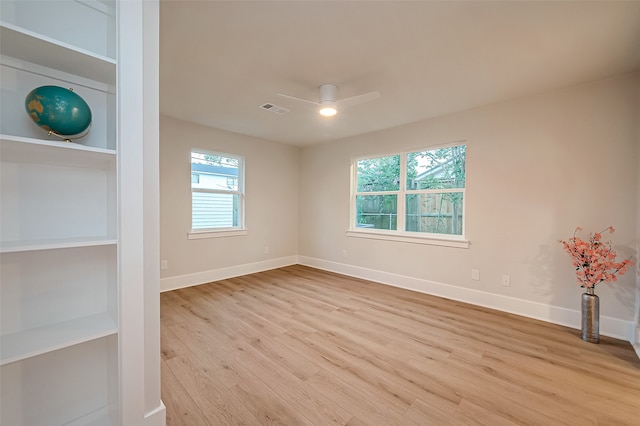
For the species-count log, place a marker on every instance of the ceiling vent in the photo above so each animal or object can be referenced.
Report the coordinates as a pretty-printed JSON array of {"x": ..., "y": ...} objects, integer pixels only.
[{"x": 275, "y": 108}]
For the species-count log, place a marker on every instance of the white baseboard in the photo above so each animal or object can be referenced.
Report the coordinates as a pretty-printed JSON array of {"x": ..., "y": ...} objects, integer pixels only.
[
  {"x": 609, "y": 326},
  {"x": 156, "y": 417},
  {"x": 188, "y": 280}
]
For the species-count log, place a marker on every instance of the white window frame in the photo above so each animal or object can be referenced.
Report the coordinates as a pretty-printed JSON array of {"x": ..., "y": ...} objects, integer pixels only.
[
  {"x": 400, "y": 234},
  {"x": 240, "y": 229}
]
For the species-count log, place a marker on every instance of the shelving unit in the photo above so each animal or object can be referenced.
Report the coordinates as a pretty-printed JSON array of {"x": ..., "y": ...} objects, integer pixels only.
[{"x": 59, "y": 244}]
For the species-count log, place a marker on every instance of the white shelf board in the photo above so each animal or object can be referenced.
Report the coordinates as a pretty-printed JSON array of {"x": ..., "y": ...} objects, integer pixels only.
[
  {"x": 32, "y": 47},
  {"x": 37, "y": 341},
  {"x": 22, "y": 149},
  {"x": 53, "y": 244},
  {"x": 56, "y": 144}
]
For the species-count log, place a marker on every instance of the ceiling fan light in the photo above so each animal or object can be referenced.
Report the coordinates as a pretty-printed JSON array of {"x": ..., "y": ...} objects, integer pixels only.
[{"x": 328, "y": 111}]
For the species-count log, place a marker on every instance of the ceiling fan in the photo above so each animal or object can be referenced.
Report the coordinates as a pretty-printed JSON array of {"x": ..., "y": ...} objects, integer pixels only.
[{"x": 329, "y": 104}]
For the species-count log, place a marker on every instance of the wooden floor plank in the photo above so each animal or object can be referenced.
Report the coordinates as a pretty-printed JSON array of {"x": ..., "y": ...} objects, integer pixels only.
[
  {"x": 182, "y": 410},
  {"x": 301, "y": 346},
  {"x": 298, "y": 394},
  {"x": 211, "y": 396}
]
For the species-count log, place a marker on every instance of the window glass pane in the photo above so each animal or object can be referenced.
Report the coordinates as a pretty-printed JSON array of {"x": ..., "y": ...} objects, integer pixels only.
[
  {"x": 438, "y": 213},
  {"x": 212, "y": 210},
  {"x": 377, "y": 211},
  {"x": 379, "y": 174},
  {"x": 441, "y": 168},
  {"x": 214, "y": 172}
]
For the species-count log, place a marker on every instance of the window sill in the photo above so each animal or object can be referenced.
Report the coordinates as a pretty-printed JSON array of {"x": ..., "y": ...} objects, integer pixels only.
[
  {"x": 197, "y": 235},
  {"x": 407, "y": 238}
]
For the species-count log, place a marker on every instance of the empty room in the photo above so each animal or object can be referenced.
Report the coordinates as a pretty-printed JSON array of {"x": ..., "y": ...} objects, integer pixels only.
[
  {"x": 399, "y": 262},
  {"x": 319, "y": 212}
]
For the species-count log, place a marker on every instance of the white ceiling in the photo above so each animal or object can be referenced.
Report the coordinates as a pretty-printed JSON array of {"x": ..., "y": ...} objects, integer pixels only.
[{"x": 219, "y": 61}]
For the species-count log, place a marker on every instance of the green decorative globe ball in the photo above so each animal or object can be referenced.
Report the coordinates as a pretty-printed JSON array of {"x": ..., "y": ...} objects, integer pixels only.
[{"x": 58, "y": 109}]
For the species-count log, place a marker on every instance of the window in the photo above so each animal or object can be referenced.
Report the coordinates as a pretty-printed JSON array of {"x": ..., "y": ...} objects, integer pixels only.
[
  {"x": 378, "y": 186},
  {"x": 411, "y": 194},
  {"x": 217, "y": 192}
]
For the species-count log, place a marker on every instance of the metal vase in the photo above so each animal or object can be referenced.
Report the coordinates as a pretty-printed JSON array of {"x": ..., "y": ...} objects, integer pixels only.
[{"x": 590, "y": 316}]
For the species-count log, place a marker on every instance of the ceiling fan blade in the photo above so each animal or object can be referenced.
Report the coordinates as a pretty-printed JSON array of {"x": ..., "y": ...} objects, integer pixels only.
[
  {"x": 358, "y": 99},
  {"x": 299, "y": 99}
]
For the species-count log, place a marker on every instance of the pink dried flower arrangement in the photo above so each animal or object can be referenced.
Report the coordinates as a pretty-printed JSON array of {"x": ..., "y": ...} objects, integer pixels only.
[{"x": 595, "y": 260}]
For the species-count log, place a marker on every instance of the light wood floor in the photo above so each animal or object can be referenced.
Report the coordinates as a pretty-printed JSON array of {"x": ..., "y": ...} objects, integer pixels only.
[{"x": 299, "y": 346}]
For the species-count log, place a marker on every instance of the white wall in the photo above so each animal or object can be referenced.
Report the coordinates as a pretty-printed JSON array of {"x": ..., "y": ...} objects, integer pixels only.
[
  {"x": 271, "y": 211},
  {"x": 155, "y": 413},
  {"x": 636, "y": 339},
  {"x": 537, "y": 167},
  {"x": 138, "y": 231}
]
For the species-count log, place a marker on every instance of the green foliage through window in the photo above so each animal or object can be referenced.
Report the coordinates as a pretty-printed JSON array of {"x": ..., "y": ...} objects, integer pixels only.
[
  {"x": 437, "y": 169},
  {"x": 377, "y": 211},
  {"x": 379, "y": 174},
  {"x": 433, "y": 192}
]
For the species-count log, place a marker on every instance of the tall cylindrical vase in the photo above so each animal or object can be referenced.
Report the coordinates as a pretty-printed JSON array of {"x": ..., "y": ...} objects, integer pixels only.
[{"x": 590, "y": 316}]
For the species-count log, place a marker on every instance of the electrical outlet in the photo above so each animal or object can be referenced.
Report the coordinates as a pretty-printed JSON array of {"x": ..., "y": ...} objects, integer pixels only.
[
  {"x": 164, "y": 264},
  {"x": 475, "y": 274},
  {"x": 266, "y": 249},
  {"x": 344, "y": 253},
  {"x": 506, "y": 280}
]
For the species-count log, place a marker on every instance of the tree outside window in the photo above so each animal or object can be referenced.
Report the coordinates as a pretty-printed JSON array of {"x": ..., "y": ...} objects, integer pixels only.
[{"x": 432, "y": 193}]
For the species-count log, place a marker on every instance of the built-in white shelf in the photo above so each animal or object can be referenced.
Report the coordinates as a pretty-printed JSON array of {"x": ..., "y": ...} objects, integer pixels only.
[
  {"x": 31, "y": 47},
  {"x": 62, "y": 282},
  {"x": 36, "y": 341},
  {"x": 52, "y": 244},
  {"x": 30, "y": 150}
]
